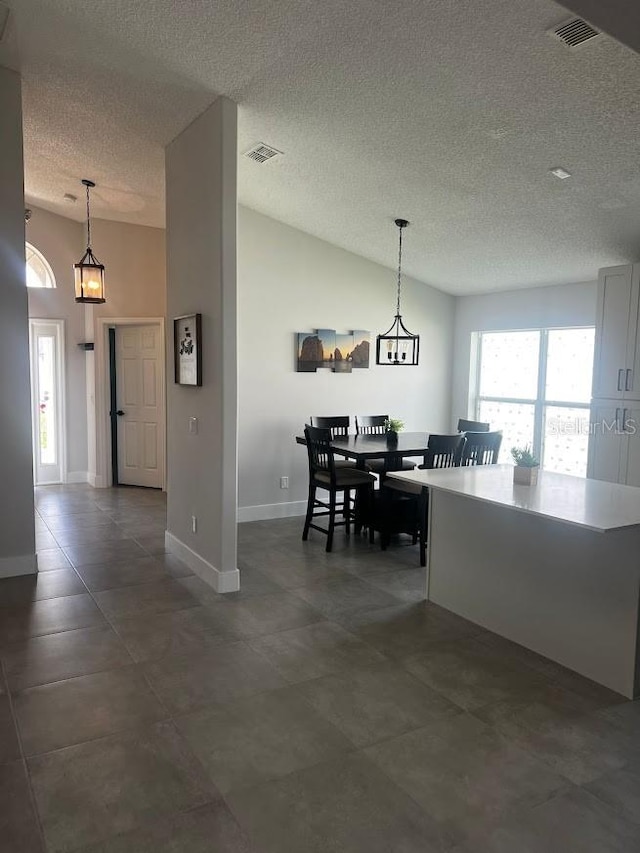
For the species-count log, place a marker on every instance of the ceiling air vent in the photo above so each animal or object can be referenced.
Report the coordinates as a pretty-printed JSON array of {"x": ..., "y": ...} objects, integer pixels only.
[
  {"x": 262, "y": 153},
  {"x": 574, "y": 32}
]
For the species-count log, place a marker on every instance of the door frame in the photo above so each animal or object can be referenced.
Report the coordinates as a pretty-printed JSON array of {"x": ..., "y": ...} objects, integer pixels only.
[
  {"x": 61, "y": 403},
  {"x": 103, "y": 478}
]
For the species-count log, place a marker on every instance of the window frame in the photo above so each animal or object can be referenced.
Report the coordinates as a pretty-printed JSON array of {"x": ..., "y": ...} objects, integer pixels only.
[
  {"x": 540, "y": 403},
  {"x": 29, "y": 247}
]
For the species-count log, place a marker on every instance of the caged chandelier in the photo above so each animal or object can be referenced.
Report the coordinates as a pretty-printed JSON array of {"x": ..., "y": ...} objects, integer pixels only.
[
  {"x": 397, "y": 345},
  {"x": 89, "y": 272}
]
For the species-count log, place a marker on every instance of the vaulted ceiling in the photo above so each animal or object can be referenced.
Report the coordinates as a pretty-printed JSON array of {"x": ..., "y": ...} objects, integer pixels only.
[{"x": 449, "y": 113}]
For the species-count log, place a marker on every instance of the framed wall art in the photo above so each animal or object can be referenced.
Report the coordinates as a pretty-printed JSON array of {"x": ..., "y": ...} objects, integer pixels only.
[
  {"x": 326, "y": 348},
  {"x": 187, "y": 349}
]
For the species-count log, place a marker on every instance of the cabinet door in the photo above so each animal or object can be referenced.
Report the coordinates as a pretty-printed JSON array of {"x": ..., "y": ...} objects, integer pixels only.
[
  {"x": 630, "y": 459},
  {"x": 612, "y": 332},
  {"x": 606, "y": 443},
  {"x": 632, "y": 372}
]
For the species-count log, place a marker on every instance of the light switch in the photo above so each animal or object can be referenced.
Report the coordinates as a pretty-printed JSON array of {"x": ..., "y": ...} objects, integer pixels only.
[{"x": 193, "y": 426}]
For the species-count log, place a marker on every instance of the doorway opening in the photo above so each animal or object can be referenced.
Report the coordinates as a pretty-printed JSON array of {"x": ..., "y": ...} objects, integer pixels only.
[{"x": 46, "y": 355}]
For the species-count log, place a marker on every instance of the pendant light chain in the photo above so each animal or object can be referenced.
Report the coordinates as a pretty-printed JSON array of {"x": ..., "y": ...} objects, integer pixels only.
[
  {"x": 88, "y": 221},
  {"x": 399, "y": 271}
]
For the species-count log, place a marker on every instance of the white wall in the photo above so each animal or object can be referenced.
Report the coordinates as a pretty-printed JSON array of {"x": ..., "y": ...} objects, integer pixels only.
[
  {"x": 17, "y": 536},
  {"x": 291, "y": 282},
  {"x": 201, "y": 277},
  {"x": 135, "y": 276},
  {"x": 532, "y": 308}
]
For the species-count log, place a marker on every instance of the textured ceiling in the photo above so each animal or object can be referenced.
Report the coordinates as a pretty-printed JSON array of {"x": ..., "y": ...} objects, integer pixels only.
[{"x": 447, "y": 112}]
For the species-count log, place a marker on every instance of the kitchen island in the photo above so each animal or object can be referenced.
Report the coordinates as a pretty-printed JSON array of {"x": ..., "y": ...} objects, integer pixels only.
[{"x": 554, "y": 567}]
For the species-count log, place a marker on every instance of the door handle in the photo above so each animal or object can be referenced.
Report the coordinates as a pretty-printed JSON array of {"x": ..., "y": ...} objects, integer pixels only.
[
  {"x": 620, "y": 372},
  {"x": 624, "y": 420},
  {"x": 618, "y": 429},
  {"x": 120, "y": 413},
  {"x": 628, "y": 383}
]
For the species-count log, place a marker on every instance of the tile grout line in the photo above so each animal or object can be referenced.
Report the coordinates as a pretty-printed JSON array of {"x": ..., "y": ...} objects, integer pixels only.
[
  {"x": 115, "y": 631},
  {"x": 23, "y": 760}
]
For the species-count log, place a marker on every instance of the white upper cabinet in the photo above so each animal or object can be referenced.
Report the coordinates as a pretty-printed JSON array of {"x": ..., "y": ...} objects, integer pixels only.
[
  {"x": 614, "y": 443},
  {"x": 616, "y": 368}
]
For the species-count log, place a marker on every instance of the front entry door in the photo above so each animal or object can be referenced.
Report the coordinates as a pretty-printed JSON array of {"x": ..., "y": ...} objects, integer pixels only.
[
  {"x": 46, "y": 338},
  {"x": 139, "y": 399}
]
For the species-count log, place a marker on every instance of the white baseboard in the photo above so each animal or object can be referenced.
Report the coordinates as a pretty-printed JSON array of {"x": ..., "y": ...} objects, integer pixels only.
[
  {"x": 77, "y": 477},
  {"x": 11, "y": 567},
  {"x": 220, "y": 581},
  {"x": 263, "y": 512},
  {"x": 97, "y": 481}
]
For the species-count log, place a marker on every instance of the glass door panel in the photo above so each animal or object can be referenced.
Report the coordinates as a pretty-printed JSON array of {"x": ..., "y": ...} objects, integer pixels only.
[
  {"x": 47, "y": 387},
  {"x": 47, "y": 437}
]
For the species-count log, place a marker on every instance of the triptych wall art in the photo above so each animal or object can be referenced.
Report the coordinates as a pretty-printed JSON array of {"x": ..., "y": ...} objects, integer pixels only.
[{"x": 326, "y": 348}]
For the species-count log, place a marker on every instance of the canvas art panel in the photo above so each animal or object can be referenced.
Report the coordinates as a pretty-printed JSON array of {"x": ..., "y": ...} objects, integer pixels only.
[{"x": 336, "y": 351}]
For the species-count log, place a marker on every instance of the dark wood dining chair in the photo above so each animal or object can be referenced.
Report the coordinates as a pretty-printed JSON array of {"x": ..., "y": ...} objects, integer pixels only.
[
  {"x": 339, "y": 483},
  {"x": 376, "y": 425},
  {"x": 473, "y": 426},
  {"x": 443, "y": 451},
  {"x": 338, "y": 426},
  {"x": 481, "y": 448}
]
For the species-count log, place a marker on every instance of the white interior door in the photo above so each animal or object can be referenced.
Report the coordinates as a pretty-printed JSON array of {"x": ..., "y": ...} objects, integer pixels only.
[
  {"x": 140, "y": 398},
  {"x": 46, "y": 339}
]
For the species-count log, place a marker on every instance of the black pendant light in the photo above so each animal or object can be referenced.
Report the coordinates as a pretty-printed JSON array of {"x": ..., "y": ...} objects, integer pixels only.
[
  {"x": 398, "y": 345},
  {"x": 89, "y": 272}
]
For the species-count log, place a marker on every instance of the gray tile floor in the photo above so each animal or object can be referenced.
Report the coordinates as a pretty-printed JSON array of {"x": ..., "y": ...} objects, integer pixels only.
[{"x": 325, "y": 707}]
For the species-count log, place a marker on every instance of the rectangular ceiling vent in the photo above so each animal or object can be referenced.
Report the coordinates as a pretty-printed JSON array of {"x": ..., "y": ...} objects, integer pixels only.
[
  {"x": 262, "y": 153},
  {"x": 575, "y": 32}
]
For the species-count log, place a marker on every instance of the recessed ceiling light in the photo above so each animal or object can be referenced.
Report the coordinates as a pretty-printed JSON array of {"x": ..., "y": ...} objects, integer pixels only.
[
  {"x": 561, "y": 173},
  {"x": 72, "y": 199}
]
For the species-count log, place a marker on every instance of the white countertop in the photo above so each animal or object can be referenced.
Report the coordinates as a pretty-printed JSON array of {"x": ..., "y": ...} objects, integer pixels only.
[{"x": 575, "y": 500}]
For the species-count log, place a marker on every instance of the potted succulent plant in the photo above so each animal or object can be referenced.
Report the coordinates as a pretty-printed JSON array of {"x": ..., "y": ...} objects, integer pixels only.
[
  {"x": 392, "y": 427},
  {"x": 527, "y": 466}
]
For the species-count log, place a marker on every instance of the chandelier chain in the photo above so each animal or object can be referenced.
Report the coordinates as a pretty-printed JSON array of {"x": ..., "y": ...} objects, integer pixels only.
[
  {"x": 399, "y": 272},
  {"x": 88, "y": 221}
]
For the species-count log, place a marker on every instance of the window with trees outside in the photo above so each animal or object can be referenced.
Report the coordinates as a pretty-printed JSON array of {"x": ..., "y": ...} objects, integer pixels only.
[
  {"x": 39, "y": 273},
  {"x": 536, "y": 387}
]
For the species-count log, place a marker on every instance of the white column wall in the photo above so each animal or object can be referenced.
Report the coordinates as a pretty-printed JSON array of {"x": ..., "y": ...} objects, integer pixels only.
[
  {"x": 17, "y": 537},
  {"x": 201, "y": 168}
]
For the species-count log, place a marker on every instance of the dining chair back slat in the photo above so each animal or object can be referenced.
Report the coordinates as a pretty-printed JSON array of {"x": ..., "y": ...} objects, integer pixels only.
[
  {"x": 481, "y": 448},
  {"x": 319, "y": 449},
  {"x": 444, "y": 451},
  {"x": 338, "y": 424},
  {"x": 371, "y": 424}
]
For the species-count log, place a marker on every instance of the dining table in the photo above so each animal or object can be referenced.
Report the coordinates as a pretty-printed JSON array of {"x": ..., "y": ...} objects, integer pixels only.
[{"x": 362, "y": 448}]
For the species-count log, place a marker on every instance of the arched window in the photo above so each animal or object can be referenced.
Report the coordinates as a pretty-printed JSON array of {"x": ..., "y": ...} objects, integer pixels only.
[{"x": 39, "y": 273}]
